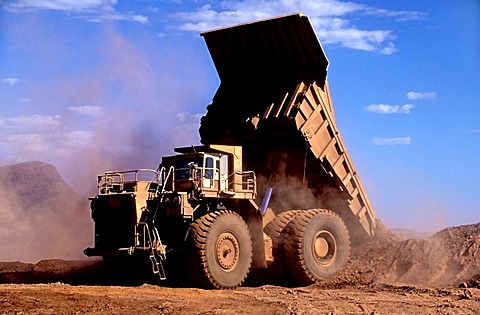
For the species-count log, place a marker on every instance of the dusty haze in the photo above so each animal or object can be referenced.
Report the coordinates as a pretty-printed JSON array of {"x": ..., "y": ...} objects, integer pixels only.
[{"x": 42, "y": 216}]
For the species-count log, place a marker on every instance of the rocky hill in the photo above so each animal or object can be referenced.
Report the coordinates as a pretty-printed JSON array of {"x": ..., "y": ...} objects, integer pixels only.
[
  {"x": 450, "y": 257},
  {"x": 41, "y": 215}
]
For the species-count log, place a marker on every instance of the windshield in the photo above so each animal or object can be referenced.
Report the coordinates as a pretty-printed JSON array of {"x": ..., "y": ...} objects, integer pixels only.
[{"x": 184, "y": 168}]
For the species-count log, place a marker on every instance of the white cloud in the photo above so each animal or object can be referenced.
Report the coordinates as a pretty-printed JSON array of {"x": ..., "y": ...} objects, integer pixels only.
[
  {"x": 389, "y": 49},
  {"x": 43, "y": 145},
  {"x": 30, "y": 124},
  {"x": 421, "y": 95},
  {"x": 233, "y": 12},
  {"x": 337, "y": 31},
  {"x": 93, "y": 10},
  {"x": 392, "y": 141},
  {"x": 399, "y": 16},
  {"x": 11, "y": 81},
  {"x": 329, "y": 18},
  {"x": 42, "y": 137},
  {"x": 62, "y": 5},
  {"x": 87, "y": 110},
  {"x": 120, "y": 17},
  {"x": 389, "y": 109},
  {"x": 33, "y": 121},
  {"x": 32, "y": 139},
  {"x": 136, "y": 18}
]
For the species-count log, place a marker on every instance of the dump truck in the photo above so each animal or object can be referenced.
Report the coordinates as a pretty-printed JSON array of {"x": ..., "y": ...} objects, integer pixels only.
[{"x": 271, "y": 186}]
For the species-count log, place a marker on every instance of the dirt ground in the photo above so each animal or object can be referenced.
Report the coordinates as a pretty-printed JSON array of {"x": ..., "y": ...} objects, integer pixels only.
[
  {"x": 388, "y": 275},
  {"x": 59, "y": 298}
]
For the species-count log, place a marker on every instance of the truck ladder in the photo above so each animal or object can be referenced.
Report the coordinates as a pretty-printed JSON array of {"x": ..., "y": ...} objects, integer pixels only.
[{"x": 156, "y": 250}]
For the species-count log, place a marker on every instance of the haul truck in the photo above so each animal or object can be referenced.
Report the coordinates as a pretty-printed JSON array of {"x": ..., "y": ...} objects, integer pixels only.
[{"x": 271, "y": 186}]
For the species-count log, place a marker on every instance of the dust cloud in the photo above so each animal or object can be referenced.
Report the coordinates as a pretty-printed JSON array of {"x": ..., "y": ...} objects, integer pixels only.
[
  {"x": 138, "y": 112},
  {"x": 144, "y": 111},
  {"x": 119, "y": 101},
  {"x": 42, "y": 217}
]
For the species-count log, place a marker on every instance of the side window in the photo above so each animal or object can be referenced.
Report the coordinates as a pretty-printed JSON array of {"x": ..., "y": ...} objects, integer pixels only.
[
  {"x": 209, "y": 167},
  {"x": 182, "y": 170},
  {"x": 188, "y": 168},
  {"x": 224, "y": 165}
]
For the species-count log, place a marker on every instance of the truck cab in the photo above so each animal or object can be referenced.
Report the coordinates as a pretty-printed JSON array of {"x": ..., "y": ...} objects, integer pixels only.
[{"x": 209, "y": 171}]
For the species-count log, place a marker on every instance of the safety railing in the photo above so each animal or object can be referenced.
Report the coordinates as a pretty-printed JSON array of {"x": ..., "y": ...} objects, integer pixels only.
[
  {"x": 127, "y": 181},
  {"x": 247, "y": 184}
]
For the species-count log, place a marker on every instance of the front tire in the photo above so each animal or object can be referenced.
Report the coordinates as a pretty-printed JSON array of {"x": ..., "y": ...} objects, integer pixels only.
[
  {"x": 220, "y": 250},
  {"x": 317, "y": 245}
]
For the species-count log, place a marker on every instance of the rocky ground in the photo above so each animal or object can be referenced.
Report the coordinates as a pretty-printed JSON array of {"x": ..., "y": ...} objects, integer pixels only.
[
  {"x": 59, "y": 298},
  {"x": 388, "y": 275}
]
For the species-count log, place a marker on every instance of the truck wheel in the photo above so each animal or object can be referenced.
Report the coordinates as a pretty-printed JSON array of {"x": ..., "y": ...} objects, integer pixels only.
[
  {"x": 276, "y": 230},
  {"x": 317, "y": 245},
  {"x": 220, "y": 253}
]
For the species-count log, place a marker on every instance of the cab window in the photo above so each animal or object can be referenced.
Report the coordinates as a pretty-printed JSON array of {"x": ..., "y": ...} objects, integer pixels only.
[{"x": 209, "y": 167}]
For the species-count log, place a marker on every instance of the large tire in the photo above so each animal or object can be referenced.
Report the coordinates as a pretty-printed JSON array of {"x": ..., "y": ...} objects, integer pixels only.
[
  {"x": 276, "y": 230},
  {"x": 220, "y": 253},
  {"x": 317, "y": 245}
]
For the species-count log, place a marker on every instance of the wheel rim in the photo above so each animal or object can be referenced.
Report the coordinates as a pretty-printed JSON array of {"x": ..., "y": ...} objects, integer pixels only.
[
  {"x": 324, "y": 248},
  {"x": 227, "y": 251}
]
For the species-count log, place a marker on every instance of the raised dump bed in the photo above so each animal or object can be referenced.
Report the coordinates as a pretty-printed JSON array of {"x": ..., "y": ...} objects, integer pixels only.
[{"x": 274, "y": 100}]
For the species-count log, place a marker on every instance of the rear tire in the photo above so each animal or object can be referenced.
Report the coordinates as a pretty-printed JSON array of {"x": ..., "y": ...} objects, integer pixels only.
[
  {"x": 220, "y": 252},
  {"x": 317, "y": 245},
  {"x": 275, "y": 229}
]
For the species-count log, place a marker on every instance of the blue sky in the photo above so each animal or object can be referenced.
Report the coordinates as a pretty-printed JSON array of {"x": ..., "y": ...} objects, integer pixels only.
[{"x": 91, "y": 85}]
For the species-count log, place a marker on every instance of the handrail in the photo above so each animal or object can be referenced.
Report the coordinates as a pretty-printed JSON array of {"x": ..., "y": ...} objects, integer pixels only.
[
  {"x": 164, "y": 177},
  {"x": 116, "y": 180}
]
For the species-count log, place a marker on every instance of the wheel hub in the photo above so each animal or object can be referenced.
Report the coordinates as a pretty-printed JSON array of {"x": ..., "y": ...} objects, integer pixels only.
[
  {"x": 227, "y": 251},
  {"x": 321, "y": 247},
  {"x": 324, "y": 248}
]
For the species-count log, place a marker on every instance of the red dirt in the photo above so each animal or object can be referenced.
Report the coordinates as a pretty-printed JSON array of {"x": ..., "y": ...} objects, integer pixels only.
[{"x": 388, "y": 275}]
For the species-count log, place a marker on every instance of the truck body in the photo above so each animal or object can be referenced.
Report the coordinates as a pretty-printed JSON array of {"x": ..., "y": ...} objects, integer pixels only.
[{"x": 271, "y": 186}]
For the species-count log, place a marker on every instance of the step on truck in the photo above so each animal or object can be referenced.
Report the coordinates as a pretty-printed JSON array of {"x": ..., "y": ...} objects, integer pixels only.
[{"x": 271, "y": 187}]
